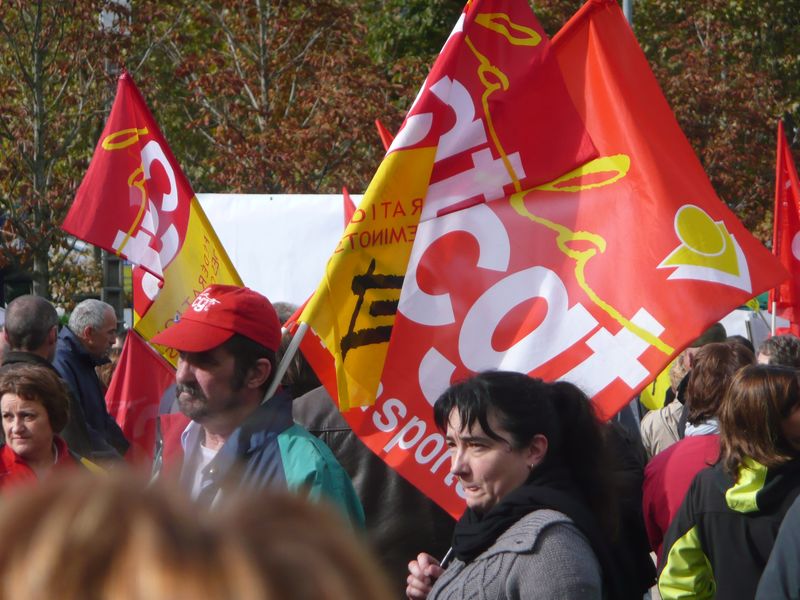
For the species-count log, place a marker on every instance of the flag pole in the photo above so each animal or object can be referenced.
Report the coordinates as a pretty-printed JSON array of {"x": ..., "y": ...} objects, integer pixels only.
[
  {"x": 291, "y": 350},
  {"x": 772, "y": 326},
  {"x": 627, "y": 10}
]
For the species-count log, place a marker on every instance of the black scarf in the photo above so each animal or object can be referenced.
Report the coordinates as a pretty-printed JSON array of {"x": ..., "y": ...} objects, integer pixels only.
[{"x": 547, "y": 487}]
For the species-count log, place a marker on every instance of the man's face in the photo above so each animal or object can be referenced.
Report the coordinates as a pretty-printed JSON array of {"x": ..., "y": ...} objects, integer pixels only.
[
  {"x": 99, "y": 340},
  {"x": 205, "y": 384}
]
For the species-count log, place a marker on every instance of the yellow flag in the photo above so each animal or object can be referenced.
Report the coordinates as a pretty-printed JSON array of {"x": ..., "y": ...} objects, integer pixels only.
[
  {"x": 353, "y": 309},
  {"x": 201, "y": 261}
]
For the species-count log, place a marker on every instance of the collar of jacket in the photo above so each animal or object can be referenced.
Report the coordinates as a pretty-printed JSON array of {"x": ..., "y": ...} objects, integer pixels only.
[
  {"x": 758, "y": 488},
  {"x": 75, "y": 344},
  {"x": 271, "y": 417},
  {"x": 14, "y": 357}
]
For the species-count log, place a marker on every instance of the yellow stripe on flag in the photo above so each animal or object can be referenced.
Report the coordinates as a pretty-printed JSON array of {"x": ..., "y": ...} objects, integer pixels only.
[{"x": 201, "y": 261}]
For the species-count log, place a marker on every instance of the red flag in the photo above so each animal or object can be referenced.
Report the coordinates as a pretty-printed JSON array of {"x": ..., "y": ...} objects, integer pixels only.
[
  {"x": 136, "y": 202},
  {"x": 141, "y": 379},
  {"x": 349, "y": 206},
  {"x": 461, "y": 145},
  {"x": 786, "y": 234},
  {"x": 386, "y": 137},
  {"x": 133, "y": 169},
  {"x": 584, "y": 277}
]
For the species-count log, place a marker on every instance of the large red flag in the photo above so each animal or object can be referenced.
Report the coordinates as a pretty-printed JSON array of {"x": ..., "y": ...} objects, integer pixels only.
[
  {"x": 492, "y": 118},
  {"x": 786, "y": 234},
  {"x": 585, "y": 276},
  {"x": 136, "y": 202},
  {"x": 140, "y": 381}
]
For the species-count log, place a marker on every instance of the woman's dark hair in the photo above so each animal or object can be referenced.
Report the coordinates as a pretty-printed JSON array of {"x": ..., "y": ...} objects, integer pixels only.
[
  {"x": 526, "y": 407},
  {"x": 758, "y": 399},
  {"x": 714, "y": 366},
  {"x": 36, "y": 383}
]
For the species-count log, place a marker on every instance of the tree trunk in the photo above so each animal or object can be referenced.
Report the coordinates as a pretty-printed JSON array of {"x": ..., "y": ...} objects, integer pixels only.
[{"x": 41, "y": 274}]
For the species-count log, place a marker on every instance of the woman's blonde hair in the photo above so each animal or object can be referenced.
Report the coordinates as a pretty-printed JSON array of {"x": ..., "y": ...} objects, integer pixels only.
[
  {"x": 115, "y": 538},
  {"x": 305, "y": 550}
]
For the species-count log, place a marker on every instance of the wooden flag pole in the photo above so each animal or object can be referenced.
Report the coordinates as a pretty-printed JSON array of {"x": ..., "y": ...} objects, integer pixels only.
[{"x": 294, "y": 345}]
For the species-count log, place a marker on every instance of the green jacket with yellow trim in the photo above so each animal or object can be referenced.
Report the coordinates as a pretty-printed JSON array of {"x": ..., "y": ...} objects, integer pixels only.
[{"x": 721, "y": 538}]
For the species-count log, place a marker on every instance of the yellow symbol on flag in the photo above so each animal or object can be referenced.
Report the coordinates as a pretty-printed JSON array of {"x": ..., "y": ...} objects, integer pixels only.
[
  {"x": 502, "y": 24},
  {"x": 708, "y": 252}
]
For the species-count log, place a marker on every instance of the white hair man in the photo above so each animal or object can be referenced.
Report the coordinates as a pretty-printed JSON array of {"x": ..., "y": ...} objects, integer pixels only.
[{"x": 83, "y": 345}]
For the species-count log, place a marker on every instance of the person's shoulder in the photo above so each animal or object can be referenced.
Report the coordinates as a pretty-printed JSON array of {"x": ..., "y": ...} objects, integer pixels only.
[
  {"x": 553, "y": 555},
  {"x": 656, "y": 418},
  {"x": 523, "y": 535},
  {"x": 297, "y": 441},
  {"x": 316, "y": 411}
]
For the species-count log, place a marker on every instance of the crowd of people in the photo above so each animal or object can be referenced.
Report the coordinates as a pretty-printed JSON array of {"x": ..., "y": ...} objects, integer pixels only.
[{"x": 280, "y": 499}]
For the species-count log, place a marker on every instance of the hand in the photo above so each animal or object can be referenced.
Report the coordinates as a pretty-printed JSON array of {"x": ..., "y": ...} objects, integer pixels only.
[{"x": 423, "y": 573}]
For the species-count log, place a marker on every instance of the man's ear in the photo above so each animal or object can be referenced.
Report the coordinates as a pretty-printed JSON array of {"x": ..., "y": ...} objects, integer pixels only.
[
  {"x": 52, "y": 337},
  {"x": 259, "y": 373},
  {"x": 5, "y": 337},
  {"x": 87, "y": 332}
]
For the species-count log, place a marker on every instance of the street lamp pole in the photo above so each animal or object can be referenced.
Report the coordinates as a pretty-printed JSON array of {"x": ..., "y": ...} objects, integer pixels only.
[{"x": 627, "y": 9}]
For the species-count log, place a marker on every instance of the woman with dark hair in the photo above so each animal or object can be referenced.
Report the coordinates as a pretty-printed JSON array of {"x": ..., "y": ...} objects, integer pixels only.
[
  {"x": 531, "y": 463},
  {"x": 721, "y": 538},
  {"x": 34, "y": 406}
]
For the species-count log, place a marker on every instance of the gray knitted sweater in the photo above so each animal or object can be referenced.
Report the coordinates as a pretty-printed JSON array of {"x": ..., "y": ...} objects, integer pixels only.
[{"x": 542, "y": 556}]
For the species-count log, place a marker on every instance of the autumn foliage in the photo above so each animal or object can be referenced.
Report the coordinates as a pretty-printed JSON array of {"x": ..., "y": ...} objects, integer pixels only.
[{"x": 280, "y": 96}]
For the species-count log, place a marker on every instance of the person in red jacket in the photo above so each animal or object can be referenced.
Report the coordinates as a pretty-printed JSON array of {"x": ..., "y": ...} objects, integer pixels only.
[{"x": 34, "y": 405}]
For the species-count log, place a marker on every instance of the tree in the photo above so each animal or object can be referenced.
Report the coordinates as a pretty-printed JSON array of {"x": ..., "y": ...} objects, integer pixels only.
[
  {"x": 404, "y": 37},
  {"x": 54, "y": 86},
  {"x": 723, "y": 66},
  {"x": 283, "y": 94}
]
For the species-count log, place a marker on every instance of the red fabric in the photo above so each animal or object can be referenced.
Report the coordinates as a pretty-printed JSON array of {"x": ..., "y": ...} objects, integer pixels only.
[
  {"x": 172, "y": 427},
  {"x": 584, "y": 278},
  {"x": 134, "y": 168},
  {"x": 386, "y": 137},
  {"x": 134, "y": 394},
  {"x": 667, "y": 478},
  {"x": 14, "y": 470},
  {"x": 216, "y": 314},
  {"x": 349, "y": 206},
  {"x": 786, "y": 234}
]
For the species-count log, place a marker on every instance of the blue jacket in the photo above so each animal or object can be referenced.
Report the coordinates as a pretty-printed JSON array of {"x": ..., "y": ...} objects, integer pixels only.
[
  {"x": 270, "y": 450},
  {"x": 76, "y": 367}
]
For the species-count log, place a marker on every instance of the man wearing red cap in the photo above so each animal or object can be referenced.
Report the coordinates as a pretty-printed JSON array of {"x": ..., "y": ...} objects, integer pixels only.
[{"x": 227, "y": 341}]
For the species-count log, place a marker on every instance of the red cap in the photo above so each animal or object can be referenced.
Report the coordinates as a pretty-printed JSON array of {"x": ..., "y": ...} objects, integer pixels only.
[{"x": 216, "y": 314}]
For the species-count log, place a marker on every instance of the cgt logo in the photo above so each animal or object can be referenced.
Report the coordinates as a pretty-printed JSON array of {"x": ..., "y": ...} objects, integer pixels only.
[
  {"x": 708, "y": 251},
  {"x": 203, "y": 302}
]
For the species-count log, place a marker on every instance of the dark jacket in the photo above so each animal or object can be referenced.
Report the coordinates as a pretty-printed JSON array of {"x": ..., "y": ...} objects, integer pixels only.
[
  {"x": 720, "y": 540},
  {"x": 401, "y": 521},
  {"x": 75, "y": 434},
  {"x": 781, "y": 578},
  {"x": 76, "y": 366}
]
